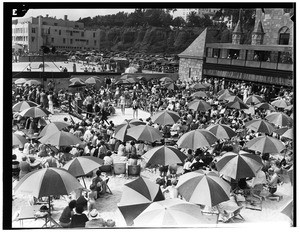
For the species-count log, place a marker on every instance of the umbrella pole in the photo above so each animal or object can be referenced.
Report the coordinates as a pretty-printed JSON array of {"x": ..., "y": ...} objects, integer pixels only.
[
  {"x": 49, "y": 209},
  {"x": 83, "y": 181}
]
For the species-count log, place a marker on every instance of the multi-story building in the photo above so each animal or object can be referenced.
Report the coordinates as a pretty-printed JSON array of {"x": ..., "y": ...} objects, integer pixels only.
[
  {"x": 34, "y": 32},
  {"x": 205, "y": 11}
]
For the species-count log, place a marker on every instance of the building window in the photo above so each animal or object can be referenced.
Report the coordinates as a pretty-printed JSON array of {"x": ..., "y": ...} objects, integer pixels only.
[
  {"x": 284, "y": 36},
  {"x": 95, "y": 42},
  {"x": 33, "y": 30},
  {"x": 94, "y": 34},
  {"x": 216, "y": 53},
  {"x": 59, "y": 32},
  {"x": 55, "y": 24},
  {"x": 71, "y": 33},
  {"x": 87, "y": 42},
  {"x": 32, "y": 39},
  {"x": 64, "y": 40},
  {"x": 71, "y": 41},
  {"x": 49, "y": 30},
  {"x": 52, "y": 40},
  {"x": 82, "y": 34}
]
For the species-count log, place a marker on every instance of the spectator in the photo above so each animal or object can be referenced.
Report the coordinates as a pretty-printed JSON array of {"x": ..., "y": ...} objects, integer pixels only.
[{"x": 79, "y": 218}]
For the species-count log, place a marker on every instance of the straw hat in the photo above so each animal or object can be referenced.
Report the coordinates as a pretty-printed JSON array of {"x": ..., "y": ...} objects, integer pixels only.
[{"x": 94, "y": 213}]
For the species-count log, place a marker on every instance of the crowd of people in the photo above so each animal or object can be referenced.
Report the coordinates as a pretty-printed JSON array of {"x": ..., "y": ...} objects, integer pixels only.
[{"x": 97, "y": 131}]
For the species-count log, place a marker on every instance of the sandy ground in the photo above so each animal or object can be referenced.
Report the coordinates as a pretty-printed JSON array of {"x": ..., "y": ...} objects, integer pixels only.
[{"x": 270, "y": 215}]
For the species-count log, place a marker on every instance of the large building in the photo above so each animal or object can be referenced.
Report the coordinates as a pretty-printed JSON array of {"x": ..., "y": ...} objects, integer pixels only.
[
  {"x": 268, "y": 59},
  {"x": 32, "y": 33}
]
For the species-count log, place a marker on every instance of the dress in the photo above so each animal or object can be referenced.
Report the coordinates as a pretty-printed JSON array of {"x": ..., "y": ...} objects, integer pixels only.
[{"x": 50, "y": 103}]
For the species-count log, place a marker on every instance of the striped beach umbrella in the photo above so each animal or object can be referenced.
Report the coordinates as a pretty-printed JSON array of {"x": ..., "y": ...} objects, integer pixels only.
[
  {"x": 199, "y": 86},
  {"x": 203, "y": 187},
  {"x": 221, "y": 131},
  {"x": 224, "y": 91},
  {"x": 35, "y": 112},
  {"x": 237, "y": 105},
  {"x": 145, "y": 133},
  {"x": 60, "y": 138},
  {"x": 18, "y": 139},
  {"x": 137, "y": 195},
  {"x": 200, "y": 94},
  {"x": 164, "y": 155},
  {"x": 253, "y": 99},
  {"x": 199, "y": 105},
  {"x": 264, "y": 106},
  {"x": 165, "y": 117},
  {"x": 288, "y": 134},
  {"x": 260, "y": 125},
  {"x": 237, "y": 166},
  {"x": 23, "y": 105},
  {"x": 280, "y": 119},
  {"x": 20, "y": 81},
  {"x": 265, "y": 144},
  {"x": 53, "y": 127},
  {"x": 280, "y": 103},
  {"x": 195, "y": 139}
]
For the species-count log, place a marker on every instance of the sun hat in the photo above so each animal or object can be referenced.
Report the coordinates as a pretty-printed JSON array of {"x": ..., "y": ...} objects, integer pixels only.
[{"x": 94, "y": 213}]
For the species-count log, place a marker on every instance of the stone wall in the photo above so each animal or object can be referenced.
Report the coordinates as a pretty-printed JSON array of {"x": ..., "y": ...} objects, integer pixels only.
[
  {"x": 190, "y": 68},
  {"x": 272, "y": 21}
]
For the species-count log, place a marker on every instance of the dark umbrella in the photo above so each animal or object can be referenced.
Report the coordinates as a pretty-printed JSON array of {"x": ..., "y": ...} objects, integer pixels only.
[
  {"x": 77, "y": 84},
  {"x": 137, "y": 195},
  {"x": 237, "y": 105},
  {"x": 199, "y": 105}
]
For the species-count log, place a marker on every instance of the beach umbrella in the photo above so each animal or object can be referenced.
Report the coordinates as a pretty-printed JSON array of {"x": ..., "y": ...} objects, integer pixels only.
[
  {"x": 281, "y": 130},
  {"x": 206, "y": 84},
  {"x": 199, "y": 86},
  {"x": 225, "y": 95},
  {"x": 253, "y": 99},
  {"x": 77, "y": 84},
  {"x": 52, "y": 128},
  {"x": 221, "y": 131},
  {"x": 224, "y": 91},
  {"x": 145, "y": 133},
  {"x": 288, "y": 134},
  {"x": 203, "y": 187},
  {"x": 171, "y": 86},
  {"x": 121, "y": 133},
  {"x": 20, "y": 81},
  {"x": 290, "y": 173},
  {"x": 200, "y": 94},
  {"x": 237, "y": 166},
  {"x": 131, "y": 70},
  {"x": 265, "y": 106},
  {"x": 165, "y": 117},
  {"x": 164, "y": 155},
  {"x": 74, "y": 79},
  {"x": 135, "y": 122},
  {"x": 280, "y": 103},
  {"x": 32, "y": 82},
  {"x": 292, "y": 116},
  {"x": 142, "y": 78},
  {"x": 288, "y": 209},
  {"x": 265, "y": 144},
  {"x": 137, "y": 195},
  {"x": 237, "y": 105},
  {"x": 60, "y": 138},
  {"x": 290, "y": 107},
  {"x": 199, "y": 105},
  {"x": 172, "y": 212},
  {"x": 23, "y": 105},
  {"x": 91, "y": 81},
  {"x": 81, "y": 166},
  {"x": 166, "y": 79},
  {"x": 195, "y": 139},
  {"x": 18, "y": 139},
  {"x": 124, "y": 77},
  {"x": 35, "y": 112},
  {"x": 260, "y": 178},
  {"x": 47, "y": 182},
  {"x": 233, "y": 98},
  {"x": 279, "y": 119},
  {"x": 260, "y": 125}
]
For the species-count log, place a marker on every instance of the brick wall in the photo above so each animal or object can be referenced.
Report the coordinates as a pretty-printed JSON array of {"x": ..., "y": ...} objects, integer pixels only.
[{"x": 190, "y": 68}]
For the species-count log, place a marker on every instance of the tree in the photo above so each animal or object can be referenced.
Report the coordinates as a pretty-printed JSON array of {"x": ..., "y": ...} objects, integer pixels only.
[
  {"x": 193, "y": 20},
  {"x": 178, "y": 22}
]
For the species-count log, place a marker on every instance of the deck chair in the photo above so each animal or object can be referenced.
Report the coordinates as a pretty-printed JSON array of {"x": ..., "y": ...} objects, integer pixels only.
[
  {"x": 107, "y": 187},
  {"x": 231, "y": 216}
]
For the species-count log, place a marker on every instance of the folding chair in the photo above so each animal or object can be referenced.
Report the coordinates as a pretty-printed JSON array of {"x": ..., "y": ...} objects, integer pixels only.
[
  {"x": 107, "y": 187},
  {"x": 230, "y": 217}
]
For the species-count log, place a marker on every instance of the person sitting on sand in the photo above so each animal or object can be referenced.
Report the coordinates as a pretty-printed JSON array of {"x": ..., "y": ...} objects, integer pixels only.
[
  {"x": 95, "y": 221},
  {"x": 79, "y": 218},
  {"x": 172, "y": 190},
  {"x": 99, "y": 183},
  {"x": 65, "y": 218},
  {"x": 272, "y": 182}
]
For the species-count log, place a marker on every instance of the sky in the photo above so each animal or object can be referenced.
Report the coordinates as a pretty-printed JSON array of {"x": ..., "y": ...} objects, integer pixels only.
[{"x": 74, "y": 14}]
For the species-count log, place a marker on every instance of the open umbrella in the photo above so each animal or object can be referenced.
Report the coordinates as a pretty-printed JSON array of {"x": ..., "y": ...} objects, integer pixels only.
[
  {"x": 199, "y": 105},
  {"x": 61, "y": 138},
  {"x": 47, "y": 182},
  {"x": 77, "y": 84},
  {"x": 203, "y": 187},
  {"x": 145, "y": 133},
  {"x": 131, "y": 70},
  {"x": 166, "y": 79},
  {"x": 265, "y": 106},
  {"x": 20, "y": 81},
  {"x": 233, "y": 98},
  {"x": 225, "y": 95},
  {"x": 52, "y": 128},
  {"x": 126, "y": 76},
  {"x": 224, "y": 91},
  {"x": 137, "y": 195},
  {"x": 195, "y": 139},
  {"x": 280, "y": 103},
  {"x": 74, "y": 79},
  {"x": 19, "y": 139},
  {"x": 237, "y": 166},
  {"x": 288, "y": 209},
  {"x": 91, "y": 80},
  {"x": 121, "y": 133},
  {"x": 199, "y": 86},
  {"x": 221, "y": 131},
  {"x": 280, "y": 119},
  {"x": 81, "y": 166},
  {"x": 290, "y": 107},
  {"x": 281, "y": 131},
  {"x": 171, "y": 86},
  {"x": 237, "y": 105},
  {"x": 135, "y": 122},
  {"x": 172, "y": 212},
  {"x": 290, "y": 173},
  {"x": 253, "y": 99},
  {"x": 200, "y": 94},
  {"x": 23, "y": 105},
  {"x": 260, "y": 125},
  {"x": 32, "y": 82},
  {"x": 164, "y": 155},
  {"x": 288, "y": 134},
  {"x": 35, "y": 112},
  {"x": 265, "y": 144},
  {"x": 165, "y": 117}
]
